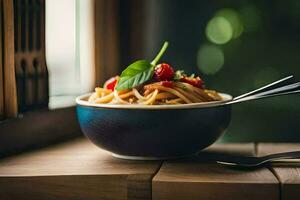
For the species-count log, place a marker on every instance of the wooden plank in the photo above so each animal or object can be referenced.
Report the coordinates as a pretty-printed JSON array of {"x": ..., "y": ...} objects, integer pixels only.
[
  {"x": 111, "y": 39},
  {"x": 76, "y": 170},
  {"x": 1, "y": 66},
  {"x": 31, "y": 69},
  {"x": 107, "y": 56},
  {"x": 43, "y": 85},
  {"x": 196, "y": 179},
  {"x": 288, "y": 173},
  {"x": 19, "y": 63},
  {"x": 10, "y": 94},
  {"x": 99, "y": 47}
]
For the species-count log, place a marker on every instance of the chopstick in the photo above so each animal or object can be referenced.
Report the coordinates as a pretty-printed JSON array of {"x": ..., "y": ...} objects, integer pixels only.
[
  {"x": 284, "y": 90},
  {"x": 267, "y": 87},
  {"x": 281, "y": 89}
]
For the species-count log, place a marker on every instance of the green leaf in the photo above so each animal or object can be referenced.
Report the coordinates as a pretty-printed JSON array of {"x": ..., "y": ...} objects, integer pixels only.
[
  {"x": 135, "y": 74},
  {"x": 139, "y": 72}
]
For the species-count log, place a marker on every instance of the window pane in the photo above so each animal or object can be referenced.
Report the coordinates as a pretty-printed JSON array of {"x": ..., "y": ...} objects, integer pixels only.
[{"x": 69, "y": 49}]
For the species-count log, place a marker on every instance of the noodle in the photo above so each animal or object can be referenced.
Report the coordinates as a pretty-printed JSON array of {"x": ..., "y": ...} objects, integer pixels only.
[
  {"x": 174, "y": 101},
  {"x": 138, "y": 95},
  {"x": 105, "y": 99},
  {"x": 155, "y": 94},
  {"x": 151, "y": 99},
  {"x": 165, "y": 95},
  {"x": 118, "y": 98},
  {"x": 166, "y": 86}
]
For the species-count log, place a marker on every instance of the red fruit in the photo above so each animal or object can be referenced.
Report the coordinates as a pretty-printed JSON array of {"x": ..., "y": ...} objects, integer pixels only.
[
  {"x": 197, "y": 81},
  {"x": 163, "y": 72},
  {"x": 167, "y": 83},
  {"x": 111, "y": 83}
]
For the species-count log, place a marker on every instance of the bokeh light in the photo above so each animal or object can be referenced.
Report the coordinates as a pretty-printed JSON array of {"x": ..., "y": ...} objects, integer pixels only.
[
  {"x": 234, "y": 19},
  {"x": 219, "y": 30},
  {"x": 210, "y": 59}
]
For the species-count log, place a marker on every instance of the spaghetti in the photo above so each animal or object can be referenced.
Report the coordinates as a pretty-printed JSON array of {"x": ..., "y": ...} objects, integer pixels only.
[
  {"x": 155, "y": 94},
  {"x": 146, "y": 83}
]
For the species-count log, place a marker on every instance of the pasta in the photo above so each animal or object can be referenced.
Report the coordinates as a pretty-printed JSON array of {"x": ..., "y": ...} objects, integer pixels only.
[
  {"x": 155, "y": 94},
  {"x": 146, "y": 83}
]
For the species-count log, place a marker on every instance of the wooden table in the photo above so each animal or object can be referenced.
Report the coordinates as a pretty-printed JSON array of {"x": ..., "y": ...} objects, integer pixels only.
[{"x": 80, "y": 170}]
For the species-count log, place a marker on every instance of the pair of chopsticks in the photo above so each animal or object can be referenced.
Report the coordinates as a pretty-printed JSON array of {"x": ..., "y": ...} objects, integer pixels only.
[{"x": 280, "y": 87}]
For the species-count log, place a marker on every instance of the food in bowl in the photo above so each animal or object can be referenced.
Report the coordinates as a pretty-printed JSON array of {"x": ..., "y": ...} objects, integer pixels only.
[
  {"x": 151, "y": 112},
  {"x": 147, "y": 83}
]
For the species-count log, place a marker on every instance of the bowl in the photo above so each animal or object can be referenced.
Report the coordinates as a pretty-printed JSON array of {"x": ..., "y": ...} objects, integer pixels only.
[{"x": 153, "y": 132}]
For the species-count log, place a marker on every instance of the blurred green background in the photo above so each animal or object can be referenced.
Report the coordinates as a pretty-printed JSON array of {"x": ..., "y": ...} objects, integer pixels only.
[{"x": 235, "y": 46}]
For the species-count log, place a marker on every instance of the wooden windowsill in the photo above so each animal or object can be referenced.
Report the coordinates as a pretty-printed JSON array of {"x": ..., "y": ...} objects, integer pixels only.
[
  {"x": 36, "y": 129},
  {"x": 79, "y": 170}
]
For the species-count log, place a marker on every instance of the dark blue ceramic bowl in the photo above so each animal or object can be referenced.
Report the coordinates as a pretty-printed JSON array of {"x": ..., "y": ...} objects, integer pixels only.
[{"x": 155, "y": 131}]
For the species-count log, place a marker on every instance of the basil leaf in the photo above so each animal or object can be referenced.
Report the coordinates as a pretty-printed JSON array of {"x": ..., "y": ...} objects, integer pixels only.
[
  {"x": 135, "y": 74},
  {"x": 139, "y": 72}
]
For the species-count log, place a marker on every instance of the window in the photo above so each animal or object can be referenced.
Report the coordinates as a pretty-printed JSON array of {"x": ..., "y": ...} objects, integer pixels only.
[{"x": 69, "y": 49}]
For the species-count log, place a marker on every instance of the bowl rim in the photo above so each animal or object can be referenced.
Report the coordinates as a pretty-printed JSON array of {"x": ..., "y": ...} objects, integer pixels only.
[{"x": 80, "y": 101}]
